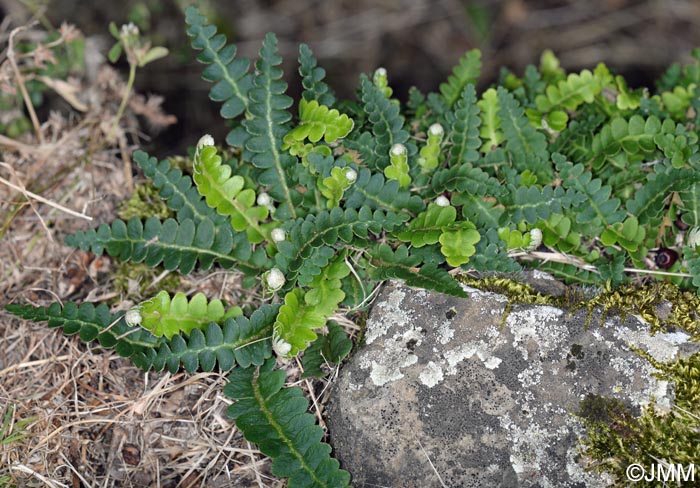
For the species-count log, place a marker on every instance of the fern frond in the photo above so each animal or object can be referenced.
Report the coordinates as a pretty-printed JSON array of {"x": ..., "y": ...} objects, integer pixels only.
[
  {"x": 266, "y": 127},
  {"x": 275, "y": 418},
  {"x": 318, "y": 122},
  {"x": 428, "y": 225},
  {"x": 374, "y": 191},
  {"x": 92, "y": 322},
  {"x": 225, "y": 193},
  {"x": 239, "y": 341},
  {"x": 179, "y": 246},
  {"x": 690, "y": 199},
  {"x": 312, "y": 78},
  {"x": 331, "y": 348},
  {"x": 633, "y": 136},
  {"x": 527, "y": 146},
  {"x": 163, "y": 316},
  {"x": 295, "y": 323},
  {"x": 650, "y": 200},
  {"x": 490, "y": 132},
  {"x": 387, "y": 123},
  {"x": 530, "y": 203},
  {"x": 299, "y": 257},
  {"x": 569, "y": 93},
  {"x": 177, "y": 189},
  {"x": 464, "y": 123},
  {"x": 466, "y": 72},
  {"x": 402, "y": 265},
  {"x": 230, "y": 74},
  {"x": 325, "y": 291},
  {"x": 592, "y": 201}
]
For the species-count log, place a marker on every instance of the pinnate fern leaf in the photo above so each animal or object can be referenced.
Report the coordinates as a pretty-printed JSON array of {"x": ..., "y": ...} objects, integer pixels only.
[
  {"x": 312, "y": 78},
  {"x": 465, "y": 123},
  {"x": 238, "y": 341},
  {"x": 399, "y": 264},
  {"x": 318, "y": 122},
  {"x": 275, "y": 418},
  {"x": 225, "y": 193},
  {"x": 230, "y": 74},
  {"x": 386, "y": 121},
  {"x": 527, "y": 146},
  {"x": 179, "y": 246},
  {"x": 92, "y": 322},
  {"x": 266, "y": 127},
  {"x": 466, "y": 72},
  {"x": 177, "y": 189},
  {"x": 569, "y": 93},
  {"x": 490, "y": 132},
  {"x": 164, "y": 316},
  {"x": 374, "y": 191},
  {"x": 329, "y": 348},
  {"x": 296, "y": 321}
]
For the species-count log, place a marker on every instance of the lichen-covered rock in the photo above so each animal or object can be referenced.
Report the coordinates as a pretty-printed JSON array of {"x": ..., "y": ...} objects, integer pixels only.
[{"x": 440, "y": 395}]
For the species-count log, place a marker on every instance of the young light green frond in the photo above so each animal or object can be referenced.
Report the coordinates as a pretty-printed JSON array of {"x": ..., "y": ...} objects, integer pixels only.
[
  {"x": 466, "y": 72},
  {"x": 238, "y": 341},
  {"x": 569, "y": 93},
  {"x": 276, "y": 419},
  {"x": 312, "y": 78},
  {"x": 230, "y": 74},
  {"x": 457, "y": 243},
  {"x": 296, "y": 322},
  {"x": 267, "y": 125},
  {"x": 490, "y": 132},
  {"x": 163, "y": 316},
  {"x": 427, "y": 227},
  {"x": 318, "y": 122},
  {"x": 325, "y": 288},
  {"x": 226, "y": 194}
]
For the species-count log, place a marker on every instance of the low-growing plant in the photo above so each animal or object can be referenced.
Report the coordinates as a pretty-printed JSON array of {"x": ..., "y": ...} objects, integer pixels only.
[{"x": 575, "y": 174}]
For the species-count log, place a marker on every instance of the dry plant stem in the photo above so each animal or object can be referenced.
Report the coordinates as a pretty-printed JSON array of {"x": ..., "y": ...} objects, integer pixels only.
[
  {"x": 31, "y": 364},
  {"x": 20, "y": 83},
  {"x": 125, "y": 99},
  {"x": 39, "y": 198}
]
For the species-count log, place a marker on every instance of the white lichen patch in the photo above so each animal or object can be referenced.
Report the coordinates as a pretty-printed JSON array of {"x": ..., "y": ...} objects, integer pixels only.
[
  {"x": 658, "y": 346},
  {"x": 391, "y": 314},
  {"x": 431, "y": 375},
  {"x": 541, "y": 324},
  {"x": 445, "y": 332},
  {"x": 541, "y": 275},
  {"x": 382, "y": 374},
  {"x": 477, "y": 295},
  {"x": 493, "y": 362}
]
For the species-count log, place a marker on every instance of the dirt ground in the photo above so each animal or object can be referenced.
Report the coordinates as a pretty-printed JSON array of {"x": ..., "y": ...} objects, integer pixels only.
[{"x": 88, "y": 418}]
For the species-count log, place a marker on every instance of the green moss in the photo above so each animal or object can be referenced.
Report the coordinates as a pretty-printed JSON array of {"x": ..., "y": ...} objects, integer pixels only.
[
  {"x": 134, "y": 280},
  {"x": 144, "y": 202}
]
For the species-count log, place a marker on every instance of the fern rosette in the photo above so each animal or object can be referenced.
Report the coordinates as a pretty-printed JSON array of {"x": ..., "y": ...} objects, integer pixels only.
[{"x": 575, "y": 174}]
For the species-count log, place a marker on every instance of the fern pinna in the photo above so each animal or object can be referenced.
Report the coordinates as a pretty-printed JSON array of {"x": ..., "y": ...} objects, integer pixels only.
[{"x": 573, "y": 173}]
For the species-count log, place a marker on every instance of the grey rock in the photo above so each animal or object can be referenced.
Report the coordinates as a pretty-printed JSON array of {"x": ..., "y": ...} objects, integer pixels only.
[{"x": 439, "y": 395}]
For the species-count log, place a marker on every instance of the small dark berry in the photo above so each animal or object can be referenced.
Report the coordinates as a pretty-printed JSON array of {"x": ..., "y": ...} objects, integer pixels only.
[
  {"x": 665, "y": 258},
  {"x": 680, "y": 225}
]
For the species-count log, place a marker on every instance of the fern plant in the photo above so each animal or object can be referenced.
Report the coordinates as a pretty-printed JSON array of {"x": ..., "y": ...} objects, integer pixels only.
[{"x": 574, "y": 174}]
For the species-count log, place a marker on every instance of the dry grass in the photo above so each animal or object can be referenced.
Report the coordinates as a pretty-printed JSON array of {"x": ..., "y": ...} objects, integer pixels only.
[{"x": 84, "y": 416}]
